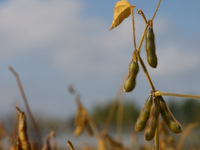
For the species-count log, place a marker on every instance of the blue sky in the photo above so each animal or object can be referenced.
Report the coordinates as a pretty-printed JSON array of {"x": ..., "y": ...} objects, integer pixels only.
[{"x": 54, "y": 43}]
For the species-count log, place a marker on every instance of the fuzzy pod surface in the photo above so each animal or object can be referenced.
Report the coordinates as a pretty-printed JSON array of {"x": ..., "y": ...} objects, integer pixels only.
[
  {"x": 167, "y": 116},
  {"x": 153, "y": 121},
  {"x": 130, "y": 82},
  {"x": 144, "y": 115},
  {"x": 150, "y": 47},
  {"x": 133, "y": 68}
]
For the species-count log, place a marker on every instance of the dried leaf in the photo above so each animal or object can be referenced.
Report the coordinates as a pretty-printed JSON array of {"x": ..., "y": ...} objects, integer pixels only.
[
  {"x": 121, "y": 11},
  {"x": 80, "y": 120},
  {"x": 79, "y": 129},
  {"x": 88, "y": 128}
]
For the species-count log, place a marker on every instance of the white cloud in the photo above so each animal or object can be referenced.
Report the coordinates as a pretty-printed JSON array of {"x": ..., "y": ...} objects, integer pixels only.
[
  {"x": 175, "y": 59},
  {"x": 28, "y": 24}
]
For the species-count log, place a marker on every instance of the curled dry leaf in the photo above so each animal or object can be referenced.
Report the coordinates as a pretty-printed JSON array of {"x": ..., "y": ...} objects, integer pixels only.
[
  {"x": 80, "y": 120},
  {"x": 121, "y": 11}
]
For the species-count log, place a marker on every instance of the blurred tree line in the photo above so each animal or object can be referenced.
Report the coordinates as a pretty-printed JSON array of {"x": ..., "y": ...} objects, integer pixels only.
[{"x": 185, "y": 111}]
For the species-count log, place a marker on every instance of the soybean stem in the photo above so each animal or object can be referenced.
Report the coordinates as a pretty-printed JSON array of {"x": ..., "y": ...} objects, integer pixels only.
[
  {"x": 159, "y": 93},
  {"x": 139, "y": 11},
  {"x": 120, "y": 117},
  {"x": 133, "y": 24},
  {"x": 27, "y": 105},
  {"x": 156, "y": 10},
  {"x": 112, "y": 108},
  {"x": 142, "y": 38},
  {"x": 146, "y": 72}
]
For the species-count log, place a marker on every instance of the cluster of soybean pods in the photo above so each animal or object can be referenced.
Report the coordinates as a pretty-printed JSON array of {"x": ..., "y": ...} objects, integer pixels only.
[{"x": 154, "y": 105}]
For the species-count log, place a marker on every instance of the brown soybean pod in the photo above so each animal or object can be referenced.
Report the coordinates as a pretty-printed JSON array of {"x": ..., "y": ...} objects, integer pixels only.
[
  {"x": 17, "y": 145},
  {"x": 130, "y": 82},
  {"x": 153, "y": 121},
  {"x": 167, "y": 116},
  {"x": 144, "y": 115},
  {"x": 23, "y": 136},
  {"x": 150, "y": 46}
]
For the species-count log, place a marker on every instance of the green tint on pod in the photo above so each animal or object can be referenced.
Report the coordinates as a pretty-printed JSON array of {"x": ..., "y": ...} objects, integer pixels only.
[
  {"x": 167, "y": 116},
  {"x": 133, "y": 68},
  {"x": 144, "y": 115},
  {"x": 130, "y": 82},
  {"x": 150, "y": 46},
  {"x": 153, "y": 121}
]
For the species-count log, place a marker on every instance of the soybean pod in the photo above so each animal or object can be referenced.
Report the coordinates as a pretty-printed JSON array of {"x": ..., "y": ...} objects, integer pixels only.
[
  {"x": 144, "y": 115},
  {"x": 167, "y": 116},
  {"x": 23, "y": 135},
  {"x": 129, "y": 84},
  {"x": 153, "y": 121},
  {"x": 150, "y": 46},
  {"x": 133, "y": 70}
]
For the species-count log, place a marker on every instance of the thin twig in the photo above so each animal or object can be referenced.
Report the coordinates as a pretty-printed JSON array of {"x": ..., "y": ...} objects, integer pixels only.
[
  {"x": 133, "y": 24},
  {"x": 54, "y": 147},
  {"x": 140, "y": 12},
  {"x": 142, "y": 38},
  {"x": 146, "y": 73},
  {"x": 27, "y": 106},
  {"x": 156, "y": 10},
  {"x": 120, "y": 117},
  {"x": 160, "y": 93},
  {"x": 112, "y": 108},
  {"x": 185, "y": 134},
  {"x": 70, "y": 145}
]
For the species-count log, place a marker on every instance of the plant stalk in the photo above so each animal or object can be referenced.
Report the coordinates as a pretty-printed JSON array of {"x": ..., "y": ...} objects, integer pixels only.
[
  {"x": 133, "y": 24},
  {"x": 27, "y": 106},
  {"x": 160, "y": 93},
  {"x": 139, "y": 11},
  {"x": 112, "y": 109},
  {"x": 142, "y": 38},
  {"x": 146, "y": 72},
  {"x": 120, "y": 117},
  {"x": 156, "y": 10}
]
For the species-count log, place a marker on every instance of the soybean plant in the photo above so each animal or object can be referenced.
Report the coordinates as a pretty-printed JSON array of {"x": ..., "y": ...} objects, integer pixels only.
[{"x": 155, "y": 104}]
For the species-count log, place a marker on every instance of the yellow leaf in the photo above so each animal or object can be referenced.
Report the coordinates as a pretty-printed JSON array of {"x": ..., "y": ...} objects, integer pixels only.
[{"x": 121, "y": 11}]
